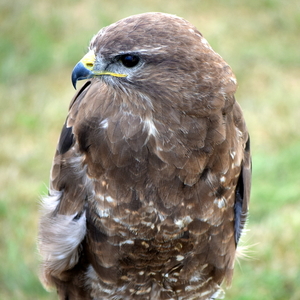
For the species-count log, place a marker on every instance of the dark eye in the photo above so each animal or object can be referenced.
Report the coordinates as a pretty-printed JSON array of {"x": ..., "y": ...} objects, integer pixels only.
[{"x": 129, "y": 60}]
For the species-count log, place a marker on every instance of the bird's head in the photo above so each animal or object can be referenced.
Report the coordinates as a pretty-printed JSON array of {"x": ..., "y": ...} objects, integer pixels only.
[{"x": 157, "y": 54}]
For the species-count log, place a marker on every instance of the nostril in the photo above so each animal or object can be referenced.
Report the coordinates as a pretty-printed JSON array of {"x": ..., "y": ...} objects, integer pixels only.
[{"x": 90, "y": 65}]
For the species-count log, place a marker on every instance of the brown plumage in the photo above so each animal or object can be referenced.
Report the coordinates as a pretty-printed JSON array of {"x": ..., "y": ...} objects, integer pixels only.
[{"x": 151, "y": 178}]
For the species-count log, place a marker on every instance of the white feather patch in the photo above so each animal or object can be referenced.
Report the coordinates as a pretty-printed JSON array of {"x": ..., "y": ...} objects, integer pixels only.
[
  {"x": 59, "y": 237},
  {"x": 219, "y": 294},
  {"x": 150, "y": 127}
]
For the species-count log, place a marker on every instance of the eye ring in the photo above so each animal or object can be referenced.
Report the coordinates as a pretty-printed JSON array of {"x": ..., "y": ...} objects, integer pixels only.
[{"x": 129, "y": 60}]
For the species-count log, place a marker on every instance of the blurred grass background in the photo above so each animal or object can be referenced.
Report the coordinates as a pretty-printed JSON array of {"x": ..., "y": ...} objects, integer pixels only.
[{"x": 41, "y": 41}]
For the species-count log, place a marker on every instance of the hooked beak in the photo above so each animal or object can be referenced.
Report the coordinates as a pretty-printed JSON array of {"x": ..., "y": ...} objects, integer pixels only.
[{"x": 84, "y": 69}]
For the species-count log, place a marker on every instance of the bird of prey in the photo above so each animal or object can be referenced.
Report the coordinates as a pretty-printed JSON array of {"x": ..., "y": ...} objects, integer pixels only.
[{"x": 150, "y": 183}]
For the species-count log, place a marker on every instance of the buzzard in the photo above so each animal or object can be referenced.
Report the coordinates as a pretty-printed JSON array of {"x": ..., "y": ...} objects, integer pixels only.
[{"x": 150, "y": 183}]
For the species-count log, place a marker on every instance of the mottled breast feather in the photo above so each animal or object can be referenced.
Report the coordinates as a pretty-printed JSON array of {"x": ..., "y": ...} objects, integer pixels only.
[{"x": 150, "y": 183}]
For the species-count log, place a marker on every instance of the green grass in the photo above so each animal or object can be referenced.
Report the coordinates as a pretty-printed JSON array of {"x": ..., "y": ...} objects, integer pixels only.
[{"x": 40, "y": 43}]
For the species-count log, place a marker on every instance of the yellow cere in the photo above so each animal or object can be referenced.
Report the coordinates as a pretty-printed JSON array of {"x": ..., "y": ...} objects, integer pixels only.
[{"x": 88, "y": 60}]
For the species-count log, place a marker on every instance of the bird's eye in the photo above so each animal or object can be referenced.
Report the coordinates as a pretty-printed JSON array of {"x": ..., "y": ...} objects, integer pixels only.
[{"x": 129, "y": 60}]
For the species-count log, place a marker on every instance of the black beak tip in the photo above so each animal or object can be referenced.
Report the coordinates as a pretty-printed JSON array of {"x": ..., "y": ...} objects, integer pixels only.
[
  {"x": 74, "y": 80},
  {"x": 80, "y": 72}
]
